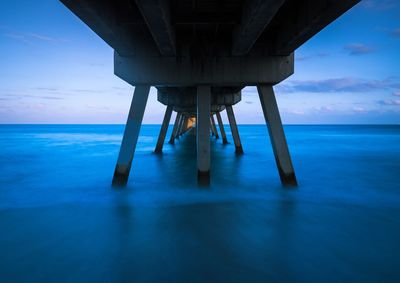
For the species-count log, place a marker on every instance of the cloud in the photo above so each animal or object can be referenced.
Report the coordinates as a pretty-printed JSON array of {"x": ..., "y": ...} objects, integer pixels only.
[
  {"x": 389, "y": 102},
  {"x": 358, "y": 49},
  {"x": 378, "y": 4},
  {"x": 312, "y": 56},
  {"x": 359, "y": 109},
  {"x": 17, "y": 96},
  {"x": 396, "y": 93},
  {"x": 339, "y": 85},
  {"x": 32, "y": 38},
  {"x": 395, "y": 33},
  {"x": 323, "y": 109},
  {"x": 295, "y": 111}
]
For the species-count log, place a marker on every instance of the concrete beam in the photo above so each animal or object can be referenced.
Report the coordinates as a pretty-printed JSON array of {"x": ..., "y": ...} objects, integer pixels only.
[
  {"x": 175, "y": 129},
  {"x": 234, "y": 129},
  {"x": 222, "y": 71},
  {"x": 305, "y": 18},
  {"x": 277, "y": 135},
  {"x": 131, "y": 135},
  {"x": 164, "y": 129},
  {"x": 221, "y": 128},
  {"x": 157, "y": 16},
  {"x": 203, "y": 132},
  {"x": 108, "y": 22},
  {"x": 257, "y": 14},
  {"x": 214, "y": 128}
]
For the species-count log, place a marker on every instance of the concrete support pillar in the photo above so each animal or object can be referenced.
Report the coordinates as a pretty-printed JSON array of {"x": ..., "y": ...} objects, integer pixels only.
[
  {"x": 181, "y": 122},
  {"x": 221, "y": 128},
  {"x": 175, "y": 129},
  {"x": 234, "y": 129},
  {"x": 131, "y": 135},
  {"x": 164, "y": 129},
  {"x": 277, "y": 135},
  {"x": 203, "y": 132},
  {"x": 211, "y": 129},
  {"x": 214, "y": 127},
  {"x": 183, "y": 125}
]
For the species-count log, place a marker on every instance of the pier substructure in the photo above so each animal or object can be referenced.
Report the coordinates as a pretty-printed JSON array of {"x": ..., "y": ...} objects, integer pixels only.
[
  {"x": 131, "y": 134},
  {"x": 182, "y": 120},
  {"x": 164, "y": 129},
  {"x": 221, "y": 128},
  {"x": 185, "y": 125},
  {"x": 214, "y": 128},
  {"x": 203, "y": 132},
  {"x": 234, "y": 129},
  {"x": 202, "y": 68},
  {"x": 175, "y": 129},
  {"x": 277, "y": 135},
  {"x": 211, "y": 129}
]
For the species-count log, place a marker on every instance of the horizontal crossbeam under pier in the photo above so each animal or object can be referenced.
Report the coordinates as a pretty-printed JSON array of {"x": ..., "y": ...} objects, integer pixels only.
[{"x": 232, "y": 71}]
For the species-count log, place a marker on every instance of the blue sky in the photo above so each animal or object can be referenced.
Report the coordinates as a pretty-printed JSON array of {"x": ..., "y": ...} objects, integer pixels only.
[{"x": 54, "y": 69}]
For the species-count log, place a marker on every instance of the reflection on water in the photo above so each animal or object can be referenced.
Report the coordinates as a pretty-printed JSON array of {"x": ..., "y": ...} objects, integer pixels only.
[{"x": 61, "y": 221}]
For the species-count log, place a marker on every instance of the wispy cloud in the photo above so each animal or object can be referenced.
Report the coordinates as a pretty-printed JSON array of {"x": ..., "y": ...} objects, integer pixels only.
[
  {"x": 389, "y": 102},
  {"x": 339, "y": 85},
  {"x": 17, "y": 96},
  {"x": 359, "y": 109},
  {"x": 311, "y": 56},
  {"x": 32, "y": 38},
  {"x": 358, "y": 49},
  {"x": 396, "y": 93},
  {"x": 323, "y": 109}
]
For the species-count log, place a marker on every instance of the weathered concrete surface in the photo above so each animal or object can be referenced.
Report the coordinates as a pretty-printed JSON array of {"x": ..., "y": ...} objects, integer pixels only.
[
  {"x": 214, "y": 128},
  {"x": 203, "y": 131},
  {"x": 277, "y": 135},
  {"x": 215, "y": 71},
  {"x": 234, "y": 130},
  {"x": 221, "y": 128},
  {"x": 164, "y": 129},
  {"x": 175, "y": 129},
  {"x": 131, "y": 135}
]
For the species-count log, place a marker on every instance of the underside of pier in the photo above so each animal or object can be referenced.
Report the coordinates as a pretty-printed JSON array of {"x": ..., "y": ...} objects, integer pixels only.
[{"x": 199, "y": 55}]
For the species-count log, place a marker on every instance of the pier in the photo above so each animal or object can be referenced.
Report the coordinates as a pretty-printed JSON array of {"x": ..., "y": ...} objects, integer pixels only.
[{"x": 200, "y": 55}]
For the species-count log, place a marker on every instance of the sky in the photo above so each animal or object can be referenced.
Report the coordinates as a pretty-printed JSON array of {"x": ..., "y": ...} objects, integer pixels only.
[{"x": 54, "y": 69}]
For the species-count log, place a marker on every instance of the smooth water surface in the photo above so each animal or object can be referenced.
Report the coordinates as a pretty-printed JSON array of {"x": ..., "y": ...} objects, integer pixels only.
[{"x": 60, "y": 221}]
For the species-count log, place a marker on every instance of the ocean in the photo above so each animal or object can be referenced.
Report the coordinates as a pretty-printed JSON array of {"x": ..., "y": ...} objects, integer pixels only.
[{"x": 61, "y": 221}]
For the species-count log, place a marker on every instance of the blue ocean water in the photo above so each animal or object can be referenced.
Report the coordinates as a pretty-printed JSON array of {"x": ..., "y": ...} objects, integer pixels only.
[{"x": 60, "y": 220}]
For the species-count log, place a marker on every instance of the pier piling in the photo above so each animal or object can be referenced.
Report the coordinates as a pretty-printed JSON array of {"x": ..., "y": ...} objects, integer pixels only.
[
  {"x": 277, "y": 135},
  {"x": 234, "y": 129},
  {"x": 163, "y": 130},
  {"x": 131, "y": 134},
  {"x": 221, "y": 128},
  {"x": 203, "y": 132}
]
